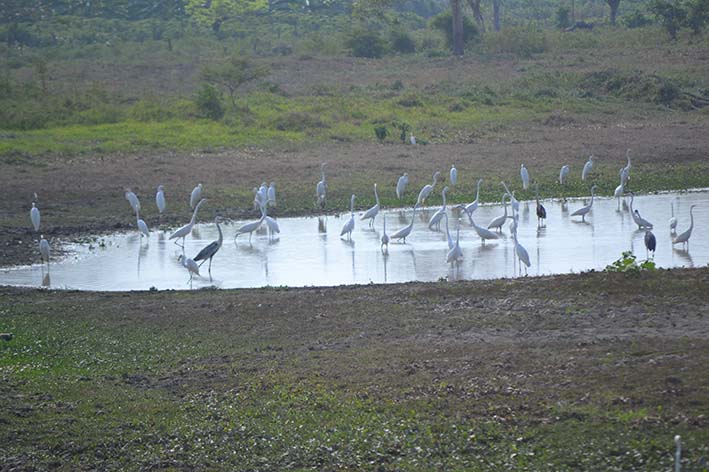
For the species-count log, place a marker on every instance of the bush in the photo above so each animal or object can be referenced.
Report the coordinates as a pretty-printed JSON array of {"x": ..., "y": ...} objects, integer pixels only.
[
  {"x": 209, "y": 102},
  {"x": 637, "y": 19},
  {"x": 381, "y": 132},
  {"x": 402, "y": 42},
  {"x": 366, "y": 43},
  {"x": 629, "y": 265},
  {"x": 444, "y": 23},
  {"x": 563, "y": 17}
]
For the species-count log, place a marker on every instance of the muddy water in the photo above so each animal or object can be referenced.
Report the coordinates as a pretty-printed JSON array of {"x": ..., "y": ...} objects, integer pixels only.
[{"x": 310, "y": 251}]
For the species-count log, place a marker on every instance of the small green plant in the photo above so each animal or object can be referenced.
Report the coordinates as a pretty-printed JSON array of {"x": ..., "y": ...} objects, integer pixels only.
[
  {"x": 628, "y": 264},
  {"x": 209, "y": 102},
  {"x": 402, "y": 42},
  {"x": 366, "y": 43},
  {"x": 404, "y": 129},
  {"x": 381, "y": 132}
]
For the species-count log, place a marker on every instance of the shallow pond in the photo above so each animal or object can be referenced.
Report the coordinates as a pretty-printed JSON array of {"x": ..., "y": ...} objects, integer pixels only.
[{"x": 310, "y": 251}]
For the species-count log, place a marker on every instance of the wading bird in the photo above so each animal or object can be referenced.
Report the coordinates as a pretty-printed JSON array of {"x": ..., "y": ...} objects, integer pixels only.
[
  {"x": 404, "y": 232},
  {"x": 563, "y": 174},
  {"x": 272, "y": 194},
  {"x": 673, "y": 220},
  {"x": 471, "y": 207},
  {"x": 641, "y": 222},
  {"x": 438, "y": 215},
  {"x": 412, "y": 139},
  {"x": 524, "y": 173},
  {"x": 208, "y": 252},
  {"x": 454, "y": 175},
  {"x": 482, "y": 232},
  {"x": 133, "y": 200},
  {"x": 583, "y": 211},
  {"x": 587, "y": 168},
  {"x": 427, "y": 189},
  {"x": 251, "y": 227},
  {"x": 522, "y": 254},
  {"x": 35, "y": 217},
  {"x": 500, "y": 220},
  {"x": 349, "y": 225},
  {"x": 374, "y": 211},
  {"x": 189, "y": 264},
  {"x": 625, "y": 171},
  {"x": 196, "y": 195},
  {"x": 44, "y": 249},
  {"x": 401, "y": 185},
  {"x": 650, "y": 242},
  {"x": 619, "y": 191},
  {"x": 451, "y": 243},
  {"x": 321, "y": 187},
  {"x": 160, "y": 201},
  {"x": 385, "y": 237},
  {"x": 142, "y": 227},
  {"x": 541, "y": 211},
  {"x": 684, "y": 237},
  {"x": 455, "y": 254},
  {"x": 272, "y": 226},
  {"x": 186, "y": 229},
  {"x": 513, "y": 201}
]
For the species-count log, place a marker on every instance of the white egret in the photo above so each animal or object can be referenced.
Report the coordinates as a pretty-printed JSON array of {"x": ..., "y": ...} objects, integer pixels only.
[
  {"x": 259, "y": 199},
  {"x": 401, "y": 185},
  {"x": 640, "y": 221},
  {"x": 272, "y": 194},
  {"x": 427, "y": 189},
  {"x": 404, "y": 232},
  {"x": 34, "y": 216},
  {"x": 448, "y": 235},
  {"x": 455, "y": 254},
  {"x": 482, "y": 232},
  {"x": 438, "y": 215},
  {"x": 454, "y": 175},
  {"x": 583, "y": 211},
  {"x": 513, "y": 201},
  {"x": 500, "y": 220},
  {"x": 385, "y": 237},
  {"x": 541, "y": 211},
  {"x": 684, "y": 237},
  {"x": 186, "y": 229},
  {"x": 524, "y": 173},
  {"x": 321, "y": 187},
  {"x": 349, "y": 225},
  {"x": 142, "y": 227},
  {"x": 374, "y": 211},
  {"x": 650, "y": 242},
  {"x": 189, "y": 264},
  {"x": 587, "y": 168},
  {"x": 564, "y": 174},
  {"x": 625, "y": 171},
  {"x": 133, "y": 200},
  {"x": 412, "y": 139},
  {"x": 160, "y": 200},
  {"x": 673, "y": 220},
  {"x": 678, "y": 454},
  {"x": 196, "y": 195},
  {"x": 44, "y": 249},
  {"x": 208, "y": 252},
  {"x": 521, "y": 253},
  {"x": 251, "y": 227},
  {"x": 471, "y": 207},
  {"x": 619, "y": 191},
  {"x": 272, "y": 226},
  {"x": 514, "y": 223}
]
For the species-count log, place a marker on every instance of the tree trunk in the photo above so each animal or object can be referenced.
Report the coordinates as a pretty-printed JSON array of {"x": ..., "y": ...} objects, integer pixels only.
[
  {"x": 496, "y": 4},
  {"x": 457, "y": 17},
  {"x": 478, "y": 14},
  {"x": 614, "y": 9}
]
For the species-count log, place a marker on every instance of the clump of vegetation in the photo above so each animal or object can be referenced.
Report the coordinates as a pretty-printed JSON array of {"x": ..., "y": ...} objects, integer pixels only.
[
  {"x": 410, "y": 101},
  {"x": 628, "y": 264},
  {"x": 637, "y": 19},
  {"x": 366, "y": 43},
  {"x": 443, "y": 22},
  {"x": 233, "y": 74},
  {"x": 563, "y": 17},
  {"x": 693, "y": 14},
  {"x": 636, "y": 85},
  {"x": 402, "y": 42},
  {"x": 381, "y": 133},
  {"x": 209, "y": 102}
]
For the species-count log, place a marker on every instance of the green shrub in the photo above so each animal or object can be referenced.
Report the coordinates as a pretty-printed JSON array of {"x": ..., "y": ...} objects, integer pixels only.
[
  {"x": 409, "y": 101},
  {"x": 366, "y": 43},
  {"x": 209, "y": 102},
  {"x": 628, "y": 264},
  {"x": 444, "y": 22},
  {"x": 402, "y": 42},
  {"x": 381, "y": 132},
  {"x": 637, "y": 19},
  {"x": 563, "y": 17}
]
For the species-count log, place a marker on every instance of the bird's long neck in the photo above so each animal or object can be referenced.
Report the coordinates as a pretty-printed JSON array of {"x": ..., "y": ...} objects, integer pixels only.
[
  {"x": 413, "y": 216},
  {"x": 221, "y": 236},
  {"x": 376, "y": 195},
  {"x": 477, "y": 195},
  {"x": 444, "y": 198},
  {"x": 691, "y": 219},
  {"x": 194, "y": 213},
  {"x": 385, "y": 225},
  {"x": 352, "y": 206}
]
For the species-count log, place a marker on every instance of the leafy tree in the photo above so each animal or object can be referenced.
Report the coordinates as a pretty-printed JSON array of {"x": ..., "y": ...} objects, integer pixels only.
[
  {"x": 366, "y": 43},
  {"x": 672, "y": 15},
  {"x": 233, "y": 74},
  {"x": 209, "y": 102},
  {"x": 444, "y": 23},
  {"x": 698, "y": 15},
  {"x": 563, "y": 17},
  {"x": 212, "y": 13}
]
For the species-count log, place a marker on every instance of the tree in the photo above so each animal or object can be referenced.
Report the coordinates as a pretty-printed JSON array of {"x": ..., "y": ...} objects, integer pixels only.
[
  {"x": 213, "y": 13},
  {"x": 496, "y": 6},
  {"x": 614, "y": 9},
  {"x": 233, "y": 74},
  {"x": 457, "y": 27},
  {"x": 672, "y": 15},
  {"x": 477, "y": 14}
]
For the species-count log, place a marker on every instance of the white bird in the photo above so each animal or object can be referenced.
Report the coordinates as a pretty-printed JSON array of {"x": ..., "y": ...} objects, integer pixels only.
[
  {"x": 272, "y": 194},
  {"x": 142, "y": 227},
  {"x": 513, "y": 201},
  {"x": 196, "y": 195},
  {"x": 211, "y": 249},
  {"x": 673, "y": 220},
  {"x": 524, "y": 173},
  {"x": 251, "y": 227},
  {"x": 678, "y": 454},
  {"x": 455, "y": 254},
  {"x": 160, "y": 199},
  {"x": 189, "y": 264},
  {"x": 385, "y": 237},
  {"x": 404, "y": 232},
  {"x": 522, "y": 254},
  {"x": 640, "y": 221},
  {"x": 625, "y": 171},
  {"x": 427, "y": 189},
  {"x": 500, "y": 220},
  {"x": 471, "y": 207},
  {"x": 619, "y": 191},
  {"x": 272, "y": 226},
  {"x": 482, "y": 232},
  {"x": 259, "y": 199},
  {"x": 438, "y": 215},
  {"x": 454, "y": 176},
  {"x": 133, "y": 200},
  {"x": 374, "y": 211},
  {"x": 583, "y": 211},
  {"x": 44, "y": 249},
  {"x": 514, "y": 223},
  {"x": 321, "y": 187},
  {"x": 263, "y": 193},
  {"x": 451, "y": 243},
  {"x": 412, "y": 139},
  {"x": 186, "y": 229},
  {"x": 34, "y": 216},
  {"x": 684, "y": 237},
  {"x": 564, "y": 174},
  {"x": 349, "y": 225},
  {"x": 587, "y": 168},
  {"x": 401, "y": 185}
]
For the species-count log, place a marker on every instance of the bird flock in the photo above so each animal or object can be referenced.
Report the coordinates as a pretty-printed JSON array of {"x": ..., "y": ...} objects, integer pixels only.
[{"x": 265, "y": 197}]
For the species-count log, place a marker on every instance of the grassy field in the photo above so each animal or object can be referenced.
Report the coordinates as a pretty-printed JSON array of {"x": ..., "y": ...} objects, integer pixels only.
[{"x": 476, "y": 375}]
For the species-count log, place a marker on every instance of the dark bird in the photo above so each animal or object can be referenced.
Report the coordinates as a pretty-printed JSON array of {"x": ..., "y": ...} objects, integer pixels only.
[
  {"x": 211, "y": 249},
  {"x": 650, "y": 242},
  {"x": 541, "y": 211}
]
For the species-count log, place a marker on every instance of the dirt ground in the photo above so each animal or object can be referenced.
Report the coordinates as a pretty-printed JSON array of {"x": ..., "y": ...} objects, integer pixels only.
[{"x": 83, "y": 195}]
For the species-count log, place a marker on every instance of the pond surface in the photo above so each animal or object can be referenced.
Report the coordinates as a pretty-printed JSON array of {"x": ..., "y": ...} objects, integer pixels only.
[{"x": 310, "y": 251}]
